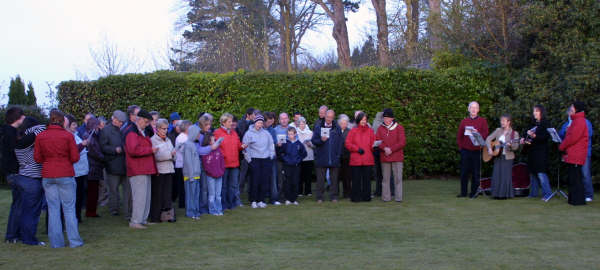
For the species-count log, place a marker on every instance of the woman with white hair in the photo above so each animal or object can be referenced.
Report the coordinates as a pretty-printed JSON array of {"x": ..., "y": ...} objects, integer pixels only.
[
  {"x": 161, "y": 185},
  {"x": 307, "y": 166},
  {"x": 345, "y": 173}
]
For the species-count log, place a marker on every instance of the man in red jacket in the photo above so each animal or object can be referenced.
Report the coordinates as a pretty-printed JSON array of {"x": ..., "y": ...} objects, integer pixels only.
[
  {"x": 470, "y": 159},
  {"x": 139, "y": 157},
  {"x": 575, "y": 146},
  {"x": 391, "y": 135}
]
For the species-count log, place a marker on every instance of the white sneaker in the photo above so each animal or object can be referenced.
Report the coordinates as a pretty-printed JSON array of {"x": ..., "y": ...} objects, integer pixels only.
[
  {"x": 254, "y": 205},
  {"x": 276, "y": 203},
  {"x": 295, "y": 202},
  {"x": 262, "y": 205},
  {"x": 287, "y": 202},
  {"x": 588, "y": 199}
]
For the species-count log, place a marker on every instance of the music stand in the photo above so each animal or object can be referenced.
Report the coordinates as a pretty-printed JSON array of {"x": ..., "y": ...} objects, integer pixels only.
[
  {"x": 556, "y": 139},
  {"x": 478, "y": 140}
]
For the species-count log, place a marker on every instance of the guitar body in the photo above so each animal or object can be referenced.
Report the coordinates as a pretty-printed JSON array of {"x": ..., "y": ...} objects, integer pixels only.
[{"x": 497, "y": 147}]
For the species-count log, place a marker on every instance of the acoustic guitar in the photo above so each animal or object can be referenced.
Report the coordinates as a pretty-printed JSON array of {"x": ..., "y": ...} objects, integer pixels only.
[{"x": 497, "y": 147}]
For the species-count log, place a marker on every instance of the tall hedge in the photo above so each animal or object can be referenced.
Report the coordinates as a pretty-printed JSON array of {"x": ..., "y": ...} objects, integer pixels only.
[{"x": 429, "y": 104}]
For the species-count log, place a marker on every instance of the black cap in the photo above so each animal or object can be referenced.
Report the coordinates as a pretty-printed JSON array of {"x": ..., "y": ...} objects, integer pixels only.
[
  {"x": 144, "y": 114},
  {"x": 579, "y": 106},
  {"x": 387, "y": 112}
]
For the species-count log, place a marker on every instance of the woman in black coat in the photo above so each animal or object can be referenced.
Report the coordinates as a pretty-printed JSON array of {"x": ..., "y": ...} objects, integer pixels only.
[
  {"x": 536, "y": 143},
  {"x": 96, "y": 165}
]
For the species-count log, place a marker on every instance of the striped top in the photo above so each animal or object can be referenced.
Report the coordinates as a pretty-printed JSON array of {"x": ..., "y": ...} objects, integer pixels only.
[{"x": 24, "y": 152}]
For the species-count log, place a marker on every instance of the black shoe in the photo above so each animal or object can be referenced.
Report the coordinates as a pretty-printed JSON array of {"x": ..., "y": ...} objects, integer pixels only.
[
  {"x": 114, "y": 213},
  {"x": 460, "y": 196},
  {"x": 172, "y": 220}
]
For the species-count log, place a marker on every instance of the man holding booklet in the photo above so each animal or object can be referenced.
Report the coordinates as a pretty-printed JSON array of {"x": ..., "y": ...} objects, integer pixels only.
[
  {"x": 328, "y": 142},
  {"x": 470, "y": 132}
]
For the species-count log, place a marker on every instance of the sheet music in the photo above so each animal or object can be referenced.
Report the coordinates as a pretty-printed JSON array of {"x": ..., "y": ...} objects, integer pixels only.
[
  {"x": 476, "y": 139},
  {"x": 325, "y": 132},
  {"x": 554, "y": 135},
  {"x": 281, "y": 138}
]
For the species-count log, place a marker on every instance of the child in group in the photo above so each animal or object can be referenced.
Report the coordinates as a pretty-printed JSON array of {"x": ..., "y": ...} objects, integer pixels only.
[
  {"x": 292, "y": 152},
  {"x": 214, "y": 167},
  {"x": 192, "y": 170}
]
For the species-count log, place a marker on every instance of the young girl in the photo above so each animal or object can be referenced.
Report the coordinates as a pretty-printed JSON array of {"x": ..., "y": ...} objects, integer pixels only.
[
  {"x": 292, "y": 152},
  {"x": 214, "y": 167}
]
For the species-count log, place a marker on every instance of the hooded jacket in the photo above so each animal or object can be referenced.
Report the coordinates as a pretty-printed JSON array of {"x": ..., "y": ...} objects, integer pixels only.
[
  {"x": 192, "y": 166},
  {"x": 575, "y": 144},
  {"x": 260, "y": 144}
]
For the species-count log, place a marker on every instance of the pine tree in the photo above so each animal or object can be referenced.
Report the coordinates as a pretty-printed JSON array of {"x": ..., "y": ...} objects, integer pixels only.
[
  {"x": 31, "y": 99},
  {"x": 16, "y": 92}
]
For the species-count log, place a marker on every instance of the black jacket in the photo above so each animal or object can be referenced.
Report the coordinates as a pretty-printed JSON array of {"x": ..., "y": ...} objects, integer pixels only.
[
  {"x": 328, "y": 153},
  {"x": 243, "y": 126},
  {"x": 110, "y": 139},
  {"x": 9, "y": 159}
]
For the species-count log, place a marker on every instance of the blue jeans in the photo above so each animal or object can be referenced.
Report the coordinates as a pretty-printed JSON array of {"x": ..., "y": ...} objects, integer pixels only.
[
  {"x": 230, "y": 192},
  {"x": 214, "y": 195},
  {"x": 61, "y": 191},
  {"x": 192, "y": 196},
  {"x": 274, "y": 194},
  {"x": 31, "y": 194},
  {"x": 586, "y": 172},
  {"x": 16, "y": 208},
  {"x": 541, "y": 179},
  {"x": 203, "y": 194}
]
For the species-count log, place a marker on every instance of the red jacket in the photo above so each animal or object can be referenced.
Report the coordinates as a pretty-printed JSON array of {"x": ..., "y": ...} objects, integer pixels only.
[
  {"x": 575, "y": 144},
  {"x": 230, "y": 147},
  {"x": 138, "y": 154},
  {"x": 463, "y": 141},
  {"x": 361, "y": 137},
  {"x": 55, "y": 149},
  {"x": 393, "y": 138}
]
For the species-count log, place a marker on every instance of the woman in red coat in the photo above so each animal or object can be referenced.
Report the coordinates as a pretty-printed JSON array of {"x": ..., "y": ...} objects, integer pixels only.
[
  {"x": 231, "y": 147},
  {"x": 360, "y": 144},
  {"x": 391, "y": 135},
  {"x": 575, "y": 146}
]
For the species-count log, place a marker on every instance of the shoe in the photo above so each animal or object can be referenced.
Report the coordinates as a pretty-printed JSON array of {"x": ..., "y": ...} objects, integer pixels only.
[
  {"x": 460, "y": 196},
  {"x": 264, "y": 205},
  {"x": 319, "y": 201},
  {"x": 295, "y": 202},
  {"x": 254, "y": 205},
  {"x": 12, "y": 241},
  {"x": 287, "y": 202},
  {"x": 41, "y": 244},
  {"x": 172, "y": 220},
  {"x": 92, "y": 216},
  {"x": 276, "y": 203},
  {"x": 241, "y": 205},
  {"x": 546, "y": 199},
  {"x": 588, "y": 199},
  {"x": 309, "y": 194},
  {"x": 137, "y": 226},
  {"x": 114, "y": 213},
  {"x": 334, "y": 201},
  {"x": 300, "y": 195},
  {"x": 151, "y": 223}
]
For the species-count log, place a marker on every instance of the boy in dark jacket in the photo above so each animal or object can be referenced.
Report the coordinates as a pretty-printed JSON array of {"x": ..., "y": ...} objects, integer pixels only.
[{"x": 292, "y": 152}]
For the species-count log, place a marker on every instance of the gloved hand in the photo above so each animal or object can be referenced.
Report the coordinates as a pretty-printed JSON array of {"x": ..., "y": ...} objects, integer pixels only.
[{"x": 361, "y": 151}]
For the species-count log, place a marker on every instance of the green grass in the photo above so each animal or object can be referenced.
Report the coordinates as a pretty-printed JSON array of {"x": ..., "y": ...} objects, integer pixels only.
[{"x": 430, "y": 230}]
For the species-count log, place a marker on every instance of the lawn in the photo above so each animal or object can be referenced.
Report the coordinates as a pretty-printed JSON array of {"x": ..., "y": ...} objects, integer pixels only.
[{"x": 430, "y": 230}]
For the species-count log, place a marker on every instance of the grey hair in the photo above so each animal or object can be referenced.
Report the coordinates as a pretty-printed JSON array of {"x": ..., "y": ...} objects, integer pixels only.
[
  {"x": 302, "y": 119},
  {"x": 472, "y": 103},
  {"x": 162, "y": 122},
  {"x": 184, "y": 125},
  {"x": 343, "y": 117},
  {"x": 208, "y": 116},
  {"x": 205, "y": 119},
  {"x": 153, "y": 113},
  {"x": 225, "y": 117},
  {"x": 323, "y": 107}
]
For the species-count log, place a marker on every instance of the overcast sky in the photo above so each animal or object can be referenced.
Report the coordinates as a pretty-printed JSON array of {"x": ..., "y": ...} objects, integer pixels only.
[{"x": 49, "y": 41}]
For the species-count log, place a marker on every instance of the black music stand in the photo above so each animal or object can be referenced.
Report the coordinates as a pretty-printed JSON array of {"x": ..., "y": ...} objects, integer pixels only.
[
  {"x": 478, "y": 140},
  {"x": 558, "y": 191}
]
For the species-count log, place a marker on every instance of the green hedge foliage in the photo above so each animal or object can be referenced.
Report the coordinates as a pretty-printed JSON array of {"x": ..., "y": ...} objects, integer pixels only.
[{"x": 429, "y": 104}]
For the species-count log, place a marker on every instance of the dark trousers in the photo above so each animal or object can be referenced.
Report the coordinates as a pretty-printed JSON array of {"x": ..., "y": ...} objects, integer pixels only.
[
  {"x": 333, "y": 188},
  {"x": 245, "y": 176},
  {"x": 576, "y": 189},
  {"x": 261, "y": 170},
  {"x": 470, "y": 163},
  {"x": 377, "y": 173},
  {"x": 292, "y": 179},
  {"x": 25, "y": 215},
  {"x": 178, "y": 191},
  {"x": 361, "y": 183},
  {"x": 80, "y": 195},
  {"x": 92, "y": 198},
  {"x": 346, "y": 178},
  {"x": 306, "y": 175},
  {"x": 160, "y": 198}
]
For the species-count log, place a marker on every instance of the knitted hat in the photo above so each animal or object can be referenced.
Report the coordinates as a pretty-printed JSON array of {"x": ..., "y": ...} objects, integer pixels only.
[
  {"x": 120, "y": 115},
  {"x": 259, "y": 117},
  {"x": 387, "y": 112},
  {"x": 174, "y": 116},
  {"x": 145, "y": 114}
]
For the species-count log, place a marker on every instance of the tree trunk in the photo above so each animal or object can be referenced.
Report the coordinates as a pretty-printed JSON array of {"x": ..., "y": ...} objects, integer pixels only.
[
  {"x": 412, "y": 29},
  {"x": 340, "y": 34},
  {"x": 435, "y": 24},
  {"x": 383, "y": 51}
]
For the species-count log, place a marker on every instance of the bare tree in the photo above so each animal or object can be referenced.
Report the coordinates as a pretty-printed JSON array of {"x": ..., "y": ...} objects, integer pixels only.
[
  {"x": 383, "y": 48},
  {"x": 335, "y": 10},
  {"x": 111, "y": 60},
  {"x": 412, "y": 28}
]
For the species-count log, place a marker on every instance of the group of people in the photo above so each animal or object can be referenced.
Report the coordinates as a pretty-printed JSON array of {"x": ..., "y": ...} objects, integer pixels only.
[
  {"x": 145, "y": 163},
  {"x": 576, "y": 146}
]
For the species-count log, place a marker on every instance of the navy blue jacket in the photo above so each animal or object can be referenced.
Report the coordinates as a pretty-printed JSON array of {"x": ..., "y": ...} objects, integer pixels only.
[
  {"x": 328, "y": 153},
  {"x": 291, "y": 153}
]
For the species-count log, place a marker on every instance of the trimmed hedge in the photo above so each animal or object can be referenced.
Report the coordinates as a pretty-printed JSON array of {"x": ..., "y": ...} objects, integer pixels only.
[{"x": 429, "y": 104}]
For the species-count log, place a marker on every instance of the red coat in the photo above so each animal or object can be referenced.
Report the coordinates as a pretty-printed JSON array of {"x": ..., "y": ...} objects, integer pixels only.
[
  {"x": 230, "y": 147},
  {"x": 361, "y": 137},
  {"x": 138, "y": 154},
  {"x": 394, "y": 139},
  {"x": 55, "y": 149},
  {"x": 575, "y": 144}
]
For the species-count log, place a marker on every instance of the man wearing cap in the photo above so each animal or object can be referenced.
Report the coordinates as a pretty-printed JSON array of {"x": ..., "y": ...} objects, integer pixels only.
[
  {"x": 112, "y": 143},
  {"x": 391, "y": 135},
  {"x": 139, "y": 157}
]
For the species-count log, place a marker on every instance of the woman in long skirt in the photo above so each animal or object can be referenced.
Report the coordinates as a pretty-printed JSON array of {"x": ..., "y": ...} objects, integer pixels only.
[{"x": 507, "y": 142}]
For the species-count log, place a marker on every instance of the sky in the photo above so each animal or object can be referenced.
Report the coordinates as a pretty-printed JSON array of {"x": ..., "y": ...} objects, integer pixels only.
[{"x": 46, "y": 42}]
